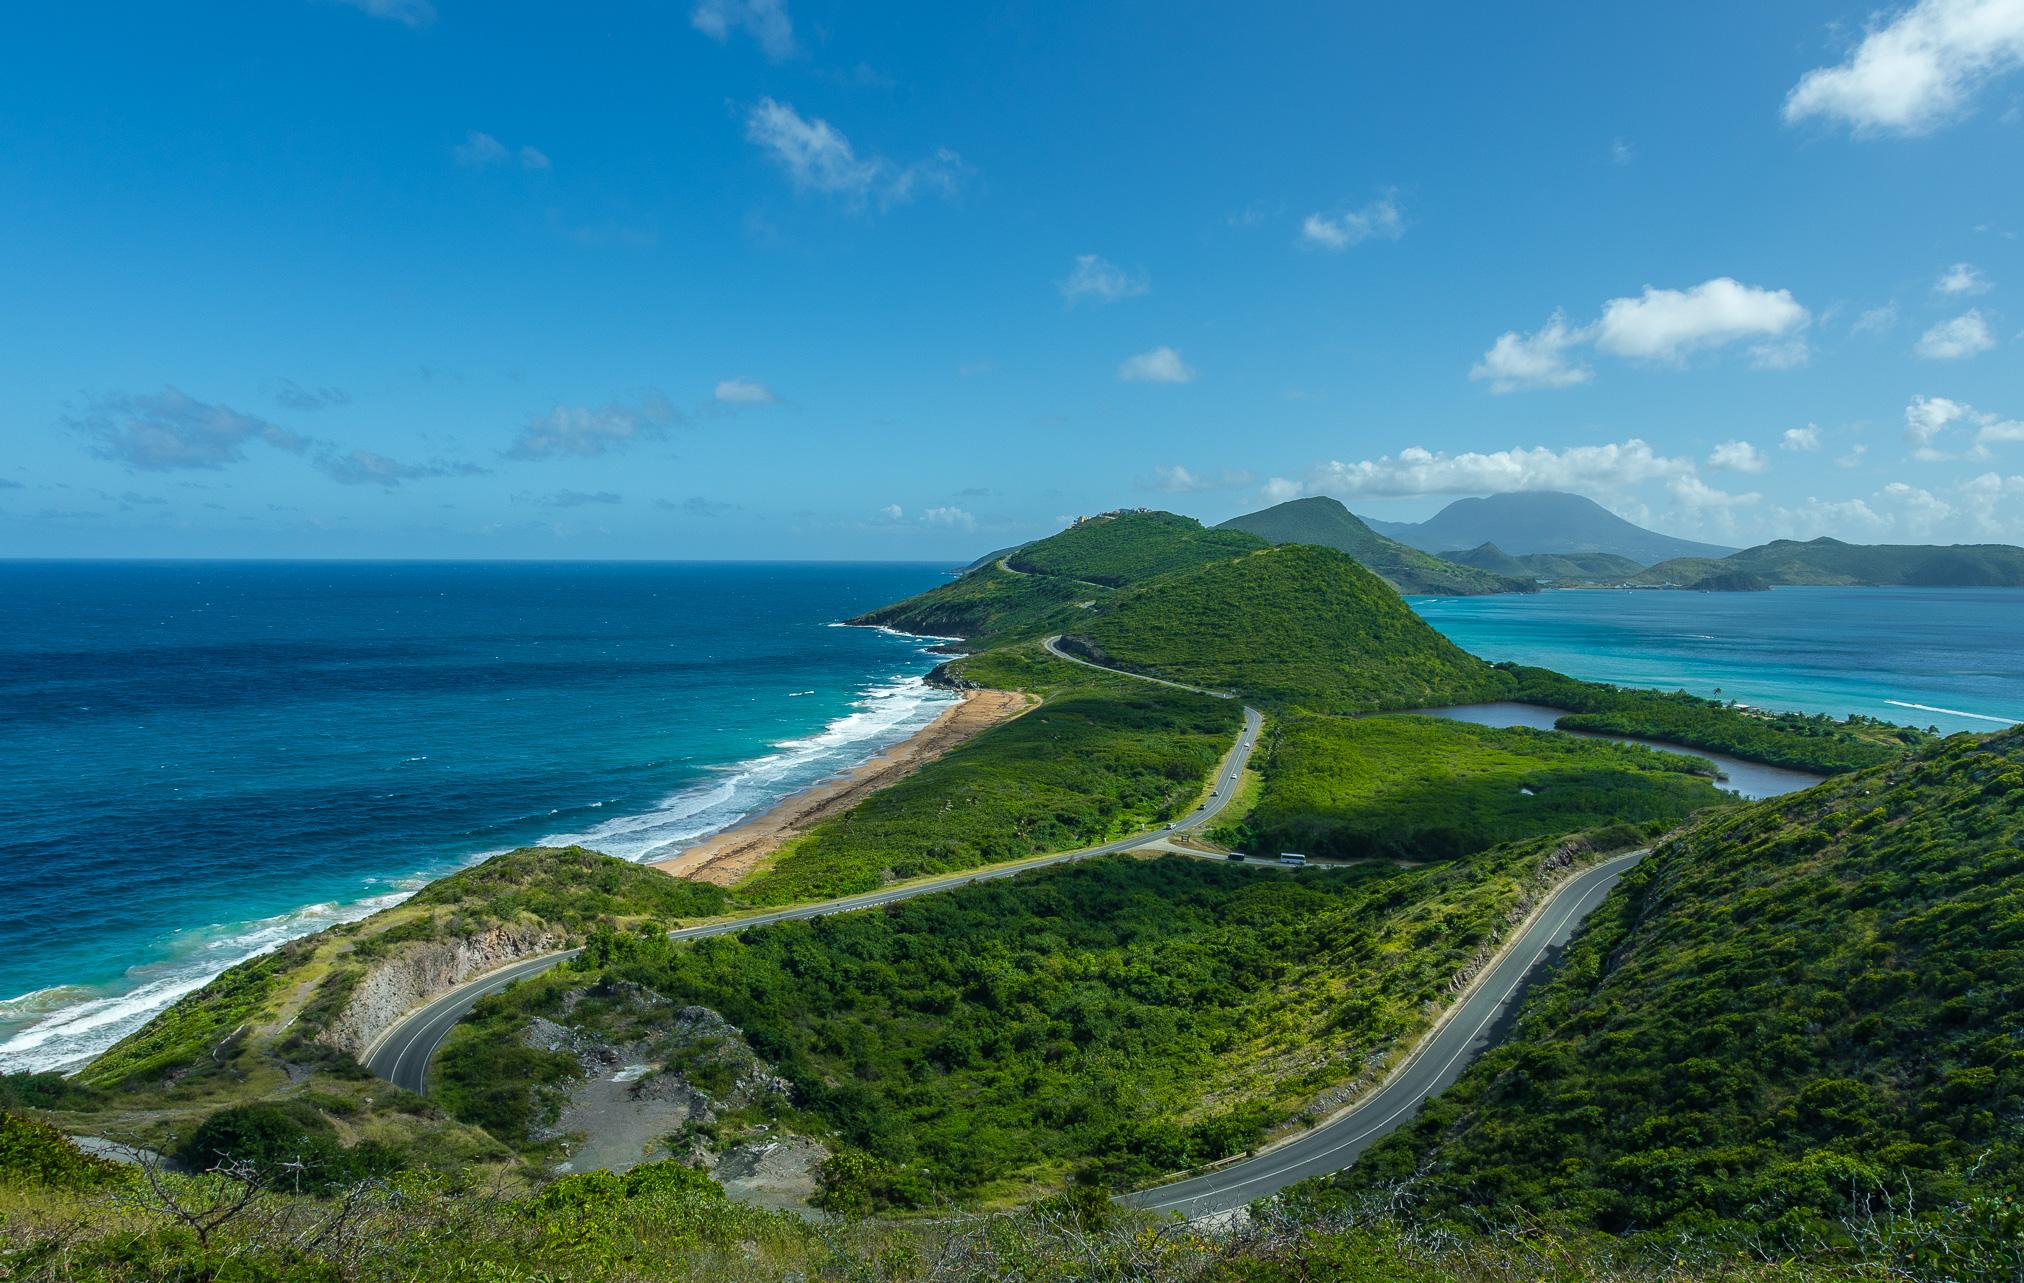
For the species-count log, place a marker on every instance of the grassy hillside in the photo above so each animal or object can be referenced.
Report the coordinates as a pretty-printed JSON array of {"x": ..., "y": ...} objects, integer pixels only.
[
  {"x": 1119, "y": 1018},
  {"x": 1296, "y": 625},
  {"x": 1830, "y": 562},
  {"x": 1101, "y": 758},
  {"x": 1327, "y": 523},
  {"x": 982, "y": 602},
  {"x": 1135, "y": 547},
  {"x": 1598, "y": 566},
  {"x": 1423, "y": 788},
  {"x": 1791, "y": 1006},
  {"x": 1805, "y": 743}
]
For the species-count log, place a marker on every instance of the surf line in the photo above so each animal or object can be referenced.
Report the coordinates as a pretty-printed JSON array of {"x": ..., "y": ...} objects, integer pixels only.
[{"x": 1955, "y": 712}]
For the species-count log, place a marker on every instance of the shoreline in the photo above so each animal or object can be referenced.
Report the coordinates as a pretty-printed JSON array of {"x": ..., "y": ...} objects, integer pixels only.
[{"x": 727, "y": 856}]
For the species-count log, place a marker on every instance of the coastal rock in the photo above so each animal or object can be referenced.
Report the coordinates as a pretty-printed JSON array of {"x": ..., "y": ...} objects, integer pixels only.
[
  {"x": 946, "y": 680},
  {"x": 422, "y": 971}
]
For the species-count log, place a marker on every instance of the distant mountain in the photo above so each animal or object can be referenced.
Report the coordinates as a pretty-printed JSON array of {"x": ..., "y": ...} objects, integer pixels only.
[
  {"x": 1597, "y": 566},
  {"x": 1832, "y": 563},
  {"x": 1329, "y": 524},
  {"x": 1529, "y": 521}
]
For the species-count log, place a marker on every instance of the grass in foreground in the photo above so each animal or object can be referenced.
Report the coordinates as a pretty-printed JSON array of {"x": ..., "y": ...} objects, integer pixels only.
[{"x": 1423, "y": 788}]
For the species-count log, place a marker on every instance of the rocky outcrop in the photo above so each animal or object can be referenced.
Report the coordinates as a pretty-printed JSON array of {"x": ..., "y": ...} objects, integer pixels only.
[
  {"x": 946, "y": 680},
  {"x": 424, "y": 970}
]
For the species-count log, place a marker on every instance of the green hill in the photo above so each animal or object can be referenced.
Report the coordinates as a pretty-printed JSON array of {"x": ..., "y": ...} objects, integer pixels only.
[
  {"x": 1326, "y": 522},
  {"x": 1781, "y": 1011},
  {"x": 1600, "y": 566},
  {"x": 1297, "y": 624},
  {"x": 1832, "y": 563}
]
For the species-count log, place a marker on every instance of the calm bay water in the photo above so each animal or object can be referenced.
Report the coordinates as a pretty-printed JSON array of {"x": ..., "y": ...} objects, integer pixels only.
[
  {"x": 1958, "y": 652},
  {"x": 208, "y": 759}
]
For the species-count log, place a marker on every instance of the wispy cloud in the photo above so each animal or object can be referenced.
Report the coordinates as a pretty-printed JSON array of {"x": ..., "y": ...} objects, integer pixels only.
[
  {"x": 291, "y": 397},
  {"x": 1965, "y": 336},
  {"x": 1917, "y": 72},
  {"x": 363, "y": 467},
  {"x": 766, "y": 21},
  {"x": 479, "y": 150},
  {"x": 1739, "y": 456},
  {"x": 1806, "y": 438},
  {"x": 817, "y": 157},
  {"x": 1161, "y": 365},
  {"x": 414, "y": 13},
  {"x": 1379, "y": 220},
  {"x": 1960, "y": 279},
  {"x": 1178, "y": 480},
  {"x": 745, "y": 392},
  {"x": 1099, "y": 278},
  {"x": 569, "y": 498},
  {"x": 585, "y": 431},
  {"x": 168, "y": 430},
  {"x": 697, "y": 506},
  {"x": 1660, "y": 326}
]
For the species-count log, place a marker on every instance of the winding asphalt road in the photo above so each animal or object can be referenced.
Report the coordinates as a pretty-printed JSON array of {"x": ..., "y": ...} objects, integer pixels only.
[
  {"x": 402, "y": 1054},
  {"x": 1437, "y": 1063}
]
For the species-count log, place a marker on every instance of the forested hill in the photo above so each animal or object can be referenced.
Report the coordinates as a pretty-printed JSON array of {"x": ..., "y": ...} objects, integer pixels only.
[
  {"x": 1326, "y": 522},
  {"x": 1832, "y": 563},
  {"x": 1786, "y": 1007}
]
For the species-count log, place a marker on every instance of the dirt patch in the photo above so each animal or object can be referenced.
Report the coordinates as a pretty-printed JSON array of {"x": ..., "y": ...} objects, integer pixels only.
[
  {"x": 777, "y": 1173},
  {"x": 735, "y": 852}
]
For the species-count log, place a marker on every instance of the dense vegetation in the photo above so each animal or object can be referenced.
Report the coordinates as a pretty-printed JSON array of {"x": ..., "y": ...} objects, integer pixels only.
[
  {"x": 1597, "y": 566},
  {"x": 1780, "y": 1012},
  {"x": 1129, "y": 549},
  {"x": 985, "y": 601},
  {"x": 1116, "y": 1019},
  {"x": 1296, "y": 625},
  {"x": 1101, "y": 758},
  {"x": 569, "y": 887},
  {"x": 1423, "y": 788},
  {"x": 1816, "y": 743},
  {"x": 1829, "y": 562},
  {"x": 1327, "y": 523}
]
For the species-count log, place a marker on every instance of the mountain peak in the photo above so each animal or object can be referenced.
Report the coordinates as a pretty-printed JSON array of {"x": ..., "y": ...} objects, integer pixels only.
[{"x": 1521, "y": 522}]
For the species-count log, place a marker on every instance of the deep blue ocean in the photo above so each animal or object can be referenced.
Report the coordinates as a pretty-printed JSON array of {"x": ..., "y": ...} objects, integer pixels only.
[{"x": 207, "y": 759}]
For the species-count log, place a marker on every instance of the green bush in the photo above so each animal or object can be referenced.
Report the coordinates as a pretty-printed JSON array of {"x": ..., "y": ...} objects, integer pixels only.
[
  {"x": 36, "y": 1153},
  {"x": 291, "y": 1145}
]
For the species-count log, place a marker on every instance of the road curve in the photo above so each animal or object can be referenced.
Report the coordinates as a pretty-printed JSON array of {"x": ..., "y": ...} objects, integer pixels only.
[
  {"x": 1437, "y": 1064},
  {"x": 402, "y": 1054},
  {"x": 1059, "y": 653}
]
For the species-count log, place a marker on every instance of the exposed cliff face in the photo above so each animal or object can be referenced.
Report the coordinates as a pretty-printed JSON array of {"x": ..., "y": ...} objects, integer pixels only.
[{"x": 420, "y": 972}]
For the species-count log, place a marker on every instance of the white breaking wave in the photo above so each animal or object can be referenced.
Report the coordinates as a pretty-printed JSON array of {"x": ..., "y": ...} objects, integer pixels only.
[
  {"x": 71, "y": 1024},
  {"x": 64, "y": 1027},
  {"x": 886, "y": 713}
]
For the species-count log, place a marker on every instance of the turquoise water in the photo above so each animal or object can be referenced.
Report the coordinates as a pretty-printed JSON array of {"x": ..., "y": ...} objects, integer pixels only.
[
  {"x": 208, "y": 759},
  {"x": 1899, "y": 654}
]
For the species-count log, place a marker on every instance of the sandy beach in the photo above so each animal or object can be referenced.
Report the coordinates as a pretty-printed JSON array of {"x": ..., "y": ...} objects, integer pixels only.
[{"x": 732, "y": 854}]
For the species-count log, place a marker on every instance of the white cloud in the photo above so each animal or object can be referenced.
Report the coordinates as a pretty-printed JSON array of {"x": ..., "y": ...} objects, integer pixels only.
[
  {"x": 1659, "y": 325},
  {"x": 1806, "y": 438},
  {"x": 1161, "y": 365},
  {"x": 1926, "y": 416},
  {"x": 1379, "y": 220},
  {"x": 1417, "y": 471},
  {"x": 479, "y": 150},
  {"x": 1666, "y": 325},
  {"x": 1103, "y": 279},
  {"x": 817, "y": 157},
  {"x": 766, "y": 21},
  {"x": 1536, "y": 360},
  {"x": 415, "y": 13},
  {"x": 1916, "y": 72},
  {"x": 586, "y": 431},
  {"x": 1692, "y": 492},
  {"x": 167, "y": 430},
  {"x": 1877, "y": 320},
  {"x": 745, "y": 392},
  {"x": 1964, "y": 336},
  {"x": 1740, "y": 456},
  {"x": 954, "y": 518},
  {"x": 1854, "y": 457},
  {"x": 1621, "y": 152},
  {"x": 1178, "y": 480},
  {"x": 1962, "y": 278}
]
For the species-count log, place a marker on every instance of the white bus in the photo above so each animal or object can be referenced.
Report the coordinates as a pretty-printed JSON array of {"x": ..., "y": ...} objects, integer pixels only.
[{"x": 1287, "y": 857}]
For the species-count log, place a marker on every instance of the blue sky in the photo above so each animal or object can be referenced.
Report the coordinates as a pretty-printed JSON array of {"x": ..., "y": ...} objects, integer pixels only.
[{"x": 775, "y": 278}]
